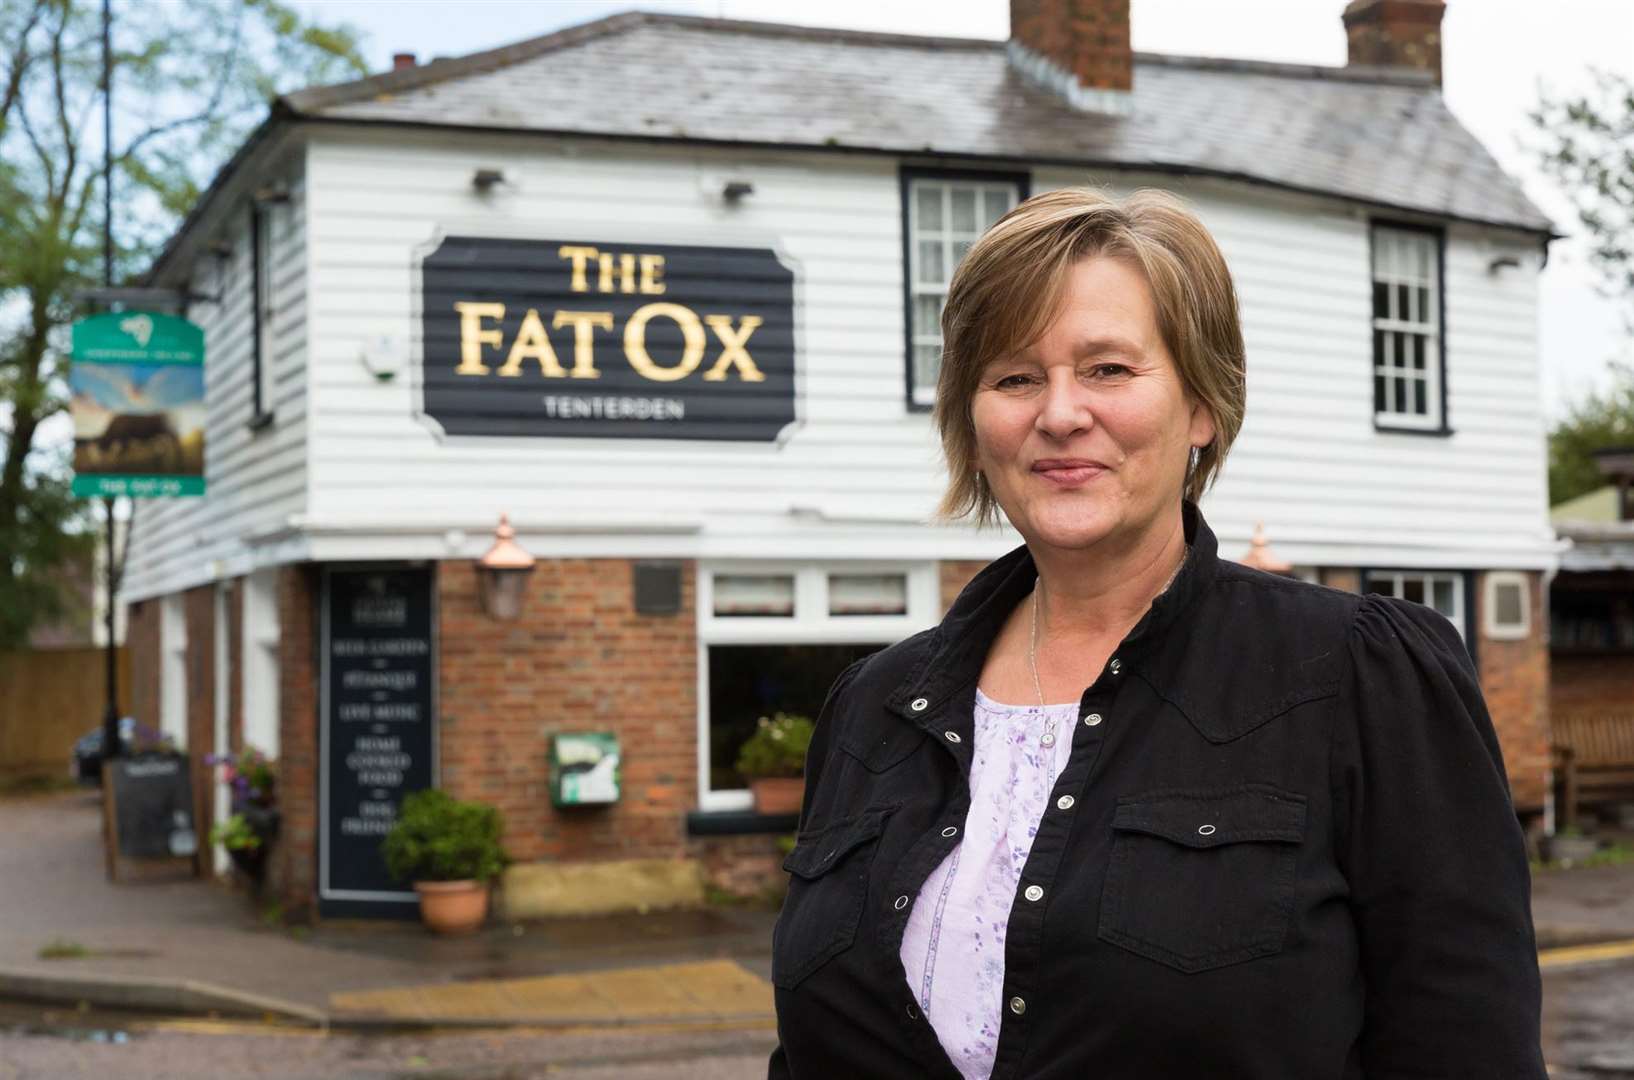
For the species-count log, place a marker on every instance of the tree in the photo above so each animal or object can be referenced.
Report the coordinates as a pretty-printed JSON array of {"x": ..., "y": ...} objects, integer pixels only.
[
  {"x": 190, "y": 77},
  {"x": 1588, "y": 149}
]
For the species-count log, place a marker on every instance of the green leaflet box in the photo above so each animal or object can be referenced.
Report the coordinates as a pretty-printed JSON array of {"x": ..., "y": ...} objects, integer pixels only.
[{"x": 584, "y": 768}]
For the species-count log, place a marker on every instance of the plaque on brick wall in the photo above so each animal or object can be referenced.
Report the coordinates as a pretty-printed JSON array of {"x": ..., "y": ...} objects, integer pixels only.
[
  {"x": 582, "y": 338},
  {"x": 377, "y": 740}
]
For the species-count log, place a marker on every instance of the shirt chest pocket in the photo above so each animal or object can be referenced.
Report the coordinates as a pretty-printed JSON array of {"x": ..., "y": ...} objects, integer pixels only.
[
  {"x": 828, "y": 886},
  {"x": 1202, "y": 879}
]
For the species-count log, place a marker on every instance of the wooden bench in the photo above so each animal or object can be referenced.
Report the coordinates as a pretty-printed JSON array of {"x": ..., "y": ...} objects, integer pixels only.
[{"x": 1593, "y": 758}]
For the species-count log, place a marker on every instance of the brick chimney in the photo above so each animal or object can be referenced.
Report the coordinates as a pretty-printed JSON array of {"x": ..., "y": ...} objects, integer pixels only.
[
  {"x": 402, "y": 60},
  {"x": 1396, "y": 34},
  {"x": 1078, "y": 49}
]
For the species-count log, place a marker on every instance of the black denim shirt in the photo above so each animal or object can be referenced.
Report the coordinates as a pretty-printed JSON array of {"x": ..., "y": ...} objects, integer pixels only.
[{"x": 1290, "y": 850}]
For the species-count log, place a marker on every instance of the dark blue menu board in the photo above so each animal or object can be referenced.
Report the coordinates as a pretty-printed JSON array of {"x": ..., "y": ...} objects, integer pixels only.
[{"x": 378, "y": 728}]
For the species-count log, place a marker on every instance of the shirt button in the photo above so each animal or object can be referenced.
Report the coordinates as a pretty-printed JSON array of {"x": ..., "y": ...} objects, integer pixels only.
[
  {"x": 1093, "y": 719},
  {"x": 918, "y": 704},
  {"x": 1065, "y": 802},
  {"x": 1115, "y": 666},
  {"x": 1034, "y": 893},
  {"x": 901, "y": 902},
  {"x": 949, "y": 831},
  {"x": 913, "y": 1011},
  {"x": 1018, "y": 1005},
  {"x": 952, "y": 736}
]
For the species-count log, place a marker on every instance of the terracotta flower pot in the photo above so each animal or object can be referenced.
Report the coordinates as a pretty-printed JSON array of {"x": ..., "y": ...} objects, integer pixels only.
[
  {"x": 452, "y": 907},
  {"x": 777, "y": 794}
]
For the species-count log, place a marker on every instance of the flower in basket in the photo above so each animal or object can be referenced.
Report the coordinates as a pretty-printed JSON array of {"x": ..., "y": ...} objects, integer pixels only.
[
  {"x": 250, "y": 775},
  {"x": 777, "y": 748},
  {"x": 235, "y": 834}
]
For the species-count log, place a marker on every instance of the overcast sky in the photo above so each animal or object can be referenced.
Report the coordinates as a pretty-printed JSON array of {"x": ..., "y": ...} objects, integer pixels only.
[{"x": 1495, "y": 54}]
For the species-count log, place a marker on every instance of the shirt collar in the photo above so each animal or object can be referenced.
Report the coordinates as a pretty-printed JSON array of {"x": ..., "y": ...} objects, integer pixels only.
[{"x": 961, "y": 641}]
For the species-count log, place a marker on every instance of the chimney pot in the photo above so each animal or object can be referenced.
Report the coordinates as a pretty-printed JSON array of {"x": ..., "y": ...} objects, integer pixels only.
[
  {"x": 402, "y": 60},
  {"x": 1395, "y": 34},
  {"x": 1077, "y": 48}
]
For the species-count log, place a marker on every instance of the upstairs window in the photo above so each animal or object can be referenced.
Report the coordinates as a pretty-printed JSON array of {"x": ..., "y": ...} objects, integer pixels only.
[
  {"x": 945, "y": 213},
  {"x": 1407, "y": 349}
]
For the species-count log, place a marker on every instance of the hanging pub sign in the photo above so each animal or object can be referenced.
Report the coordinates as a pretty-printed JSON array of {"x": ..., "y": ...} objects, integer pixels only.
[
  {"x": 136, "y": 395},
  {"x": 377, "y": 650},
  {"x": 590, "y": 339}
]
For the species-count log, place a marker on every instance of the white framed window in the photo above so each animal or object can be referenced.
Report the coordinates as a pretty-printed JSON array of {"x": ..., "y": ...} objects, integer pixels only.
[
  {"x": 1407, "y": 367},
  {"x": 1506, "y": 605},
  {"x": 1441, "y": 590},
  {"x": 945, "y": 215},
  {"x": 773, "y": 637},
  {"x": 260, "y": 658}
]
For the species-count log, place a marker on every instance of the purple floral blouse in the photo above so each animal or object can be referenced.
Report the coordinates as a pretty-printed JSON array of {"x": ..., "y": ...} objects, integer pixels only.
[{"x": 953, "y": 949}]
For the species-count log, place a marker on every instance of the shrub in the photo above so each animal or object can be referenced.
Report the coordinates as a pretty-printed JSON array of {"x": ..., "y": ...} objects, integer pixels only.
[
  {"x": 778, "y": 746},
  {"x": 440, "y": 838}
]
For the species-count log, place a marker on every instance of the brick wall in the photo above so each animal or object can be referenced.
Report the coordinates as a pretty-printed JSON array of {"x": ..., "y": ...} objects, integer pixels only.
[
  {"x": 578, "y": 658},
  {"x": 1515, "y": 683},
  {"x": 292, "y": 871},
  {"x": 1347, "y": 578},
  {"x": 198, "y": 609},
  {"x": 953, "y": 576},
  {"x": 141, "y": 697}
]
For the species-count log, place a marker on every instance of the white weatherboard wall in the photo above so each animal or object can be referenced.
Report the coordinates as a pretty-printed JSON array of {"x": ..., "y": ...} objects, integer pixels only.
[
  {"x": 861, "y": 475},
  {"x": 254, "y": 480}
]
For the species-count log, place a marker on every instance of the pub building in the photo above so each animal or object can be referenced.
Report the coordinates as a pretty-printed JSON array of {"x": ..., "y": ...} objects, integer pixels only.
[{"x": 662, "y": 293}]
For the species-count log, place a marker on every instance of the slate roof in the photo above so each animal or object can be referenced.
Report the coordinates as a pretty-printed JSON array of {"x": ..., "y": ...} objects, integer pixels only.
[{"x": 1379, "y": 137}]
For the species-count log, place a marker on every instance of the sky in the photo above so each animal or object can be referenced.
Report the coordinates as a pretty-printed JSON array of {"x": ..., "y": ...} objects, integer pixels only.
[{"x": 1496, "y": 55}]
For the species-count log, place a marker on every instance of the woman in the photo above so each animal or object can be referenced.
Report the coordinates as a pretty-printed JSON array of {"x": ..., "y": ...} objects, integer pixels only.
[{"x": 1132, "y": 810}]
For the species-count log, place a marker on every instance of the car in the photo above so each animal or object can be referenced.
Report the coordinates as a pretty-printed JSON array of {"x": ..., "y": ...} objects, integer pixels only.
[{"x": 85, "y": 764}]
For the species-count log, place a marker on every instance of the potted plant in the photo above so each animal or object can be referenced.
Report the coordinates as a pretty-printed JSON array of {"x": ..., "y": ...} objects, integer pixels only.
[
  {"x": 450, "y": 850},
  {"x": 773, "y": 760},
  {"x": 250, "y": 830}
]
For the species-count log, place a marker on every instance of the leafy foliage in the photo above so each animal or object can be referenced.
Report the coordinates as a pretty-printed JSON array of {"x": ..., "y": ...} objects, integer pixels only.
[
  {"x": 1601, "y": 420},
  {"x": 440, "y": 838},
  {"x": 1588, "y": 148},
  {"x": 190, "y": 78},
  {"x": 778, "y": 746}
]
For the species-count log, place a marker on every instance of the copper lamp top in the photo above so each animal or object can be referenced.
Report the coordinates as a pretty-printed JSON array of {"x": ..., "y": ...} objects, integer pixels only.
[
  {"x": 506, "y": 554},
  {"x": 1261, "y": 557}
]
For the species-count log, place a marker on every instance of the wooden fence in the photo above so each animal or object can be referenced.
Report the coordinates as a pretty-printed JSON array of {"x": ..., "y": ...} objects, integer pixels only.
[{"x": 49, "y": 698}]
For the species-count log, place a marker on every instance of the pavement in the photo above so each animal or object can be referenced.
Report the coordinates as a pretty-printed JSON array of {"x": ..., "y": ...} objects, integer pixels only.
[{"x": 198, "y": 947}]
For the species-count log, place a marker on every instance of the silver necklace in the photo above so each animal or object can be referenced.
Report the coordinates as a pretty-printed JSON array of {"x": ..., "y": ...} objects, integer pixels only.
[{"x": 1048, "y": 738}]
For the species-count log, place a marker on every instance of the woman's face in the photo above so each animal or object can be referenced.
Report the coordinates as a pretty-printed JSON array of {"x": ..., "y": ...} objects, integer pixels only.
[{"x": 1084, "y": 436}]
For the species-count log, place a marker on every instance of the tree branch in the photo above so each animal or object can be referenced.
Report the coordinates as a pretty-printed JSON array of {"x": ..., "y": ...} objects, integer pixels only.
[{"x": 20, "y": 61}]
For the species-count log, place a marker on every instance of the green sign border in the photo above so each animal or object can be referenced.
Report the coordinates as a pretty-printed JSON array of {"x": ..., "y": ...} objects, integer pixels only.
[
  {"x": 171, "y": 339},
  {"x": 137, "y": 486}
]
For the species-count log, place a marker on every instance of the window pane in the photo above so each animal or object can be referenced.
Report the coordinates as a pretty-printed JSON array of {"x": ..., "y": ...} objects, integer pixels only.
[
  {"x": 1413, "y": 589},
  {"x": 757, "y": 594},
  {"x": 1379, "y": 397},
  {"x": 1402, "y": 311},
  {"x": 928, "y": 203},
  {"x": 964, "y": 209},
  {"x": 1379, "y": 583},
  {"x": 1506, "y": 604},
  {"x": 960, "y": 248},
  {"x": 927, "y": 364},
  {"x": 931, "y": 270},
  {"x": 1424, "y": 306},
  {"x": 1425, "y": 248},
  {"x": 1420, "y": 406},
  {"x": 747, "y": 682},
  {"x": 1419, "y": 348},
  {"x": 867, "y": 594},
  {"x": 1444, "y": 597},
  {"x": 927, "y": 313},
  {"x": 996, "y": 202},
  {"x": 1401, "y": 396},
  {"x": 1381, "y": 300}
]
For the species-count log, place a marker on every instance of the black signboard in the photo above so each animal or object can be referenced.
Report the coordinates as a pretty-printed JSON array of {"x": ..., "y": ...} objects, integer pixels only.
[
  {"x": 378, "y": 737},
  {"x": 588, "y": 338},
  {"x": 151, "y": 806}
]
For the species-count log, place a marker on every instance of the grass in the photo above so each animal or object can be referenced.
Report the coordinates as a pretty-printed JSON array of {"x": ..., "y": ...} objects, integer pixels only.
[
  {"x": 62, "y": 949},
  {"x": 1617, "y": 854}
]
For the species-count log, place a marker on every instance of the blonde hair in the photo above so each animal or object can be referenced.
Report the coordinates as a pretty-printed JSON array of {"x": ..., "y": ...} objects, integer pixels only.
[{"x": 1009, "y": 289}]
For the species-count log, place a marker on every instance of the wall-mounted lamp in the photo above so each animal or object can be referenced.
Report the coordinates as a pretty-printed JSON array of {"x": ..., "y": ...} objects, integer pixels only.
[
  {"x": 1502, "y": 262},
  {"x": 485, "y": 180},
  {"x": 735, "y": 191},
  {"x": 502, "y": 574}
]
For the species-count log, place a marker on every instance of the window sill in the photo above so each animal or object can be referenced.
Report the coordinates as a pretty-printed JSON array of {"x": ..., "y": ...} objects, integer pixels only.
[
  {"x": 738, "y": 823},
  {"x": 260, "y": 420},
  {"x": 1391, "y": 429}
]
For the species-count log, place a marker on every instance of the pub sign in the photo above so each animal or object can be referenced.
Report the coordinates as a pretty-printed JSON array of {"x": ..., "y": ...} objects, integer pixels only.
[{"x": 583, "y": 338}]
